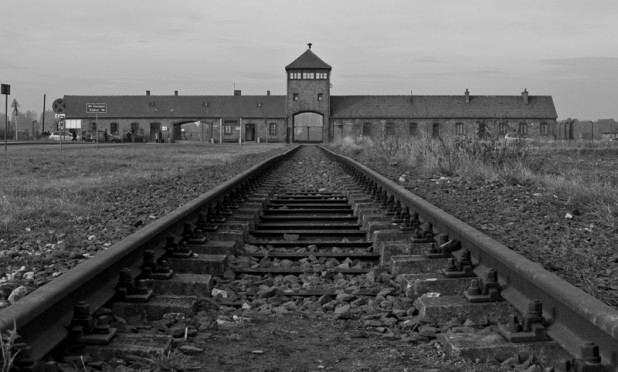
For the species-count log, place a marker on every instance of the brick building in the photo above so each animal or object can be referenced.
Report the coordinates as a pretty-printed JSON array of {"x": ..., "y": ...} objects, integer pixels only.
[{"x": 308, "y": 113}]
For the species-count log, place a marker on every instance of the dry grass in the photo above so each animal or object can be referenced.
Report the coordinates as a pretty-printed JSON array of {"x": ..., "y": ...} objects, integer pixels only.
[
  {"x": 46, "y": 184},
  {"x": 563, "y": 168}
]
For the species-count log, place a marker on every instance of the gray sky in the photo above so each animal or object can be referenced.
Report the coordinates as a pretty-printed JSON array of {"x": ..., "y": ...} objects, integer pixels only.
[{"x": 564, "y": 48}]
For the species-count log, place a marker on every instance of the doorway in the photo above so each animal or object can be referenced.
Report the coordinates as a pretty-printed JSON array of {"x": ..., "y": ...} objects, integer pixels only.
[
  {"x": 249, "y": 132},
  {"x": 155, "y": 132}
]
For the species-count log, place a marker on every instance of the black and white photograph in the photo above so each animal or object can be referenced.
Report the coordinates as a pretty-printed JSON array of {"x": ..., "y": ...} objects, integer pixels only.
[{"x": 287, "y": 186}]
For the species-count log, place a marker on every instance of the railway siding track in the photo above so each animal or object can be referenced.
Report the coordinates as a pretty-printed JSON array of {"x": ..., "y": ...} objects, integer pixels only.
[{"x": 252, "y": 226}]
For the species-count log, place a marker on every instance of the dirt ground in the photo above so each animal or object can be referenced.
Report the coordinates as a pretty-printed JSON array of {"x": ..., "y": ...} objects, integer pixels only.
[{"x": 297, "y": 342}]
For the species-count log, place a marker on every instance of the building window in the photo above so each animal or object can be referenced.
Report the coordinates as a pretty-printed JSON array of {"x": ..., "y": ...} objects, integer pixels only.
[
  {"x": 320, "y": 96},
  {"x": 390, "y": 129},
  {"x": 523, "y": 129},
  {"x": 272, "y": 129},
  {"x": 134, "y": 128},
  {"x": 308, "y": 75},
  {"x": 295, "y": 75},
  {"x": 413, "y": 129},
  {"x": 366, "y": 129},
  {"x": 321, "y": 75},
  {"x": 435, "y": 130},
  {"x": 227, "y": 129},
  {"x": 544, "y": 129},
  {"x": 481, "y": 130},
  {"x": 502, "y": 127},
  {"x": 93, "y": 126},
  {"x": 295, "y": 96},
  {"x": 113, "y": 128},
  {"x": 459, "y": 129}
]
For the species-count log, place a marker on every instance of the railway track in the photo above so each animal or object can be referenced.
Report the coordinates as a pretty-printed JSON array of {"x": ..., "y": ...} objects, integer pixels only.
[{"x": 309, "y": 244}]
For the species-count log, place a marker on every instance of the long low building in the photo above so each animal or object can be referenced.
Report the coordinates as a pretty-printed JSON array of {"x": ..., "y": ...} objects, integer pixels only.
[{"x": 308, "y": 113}]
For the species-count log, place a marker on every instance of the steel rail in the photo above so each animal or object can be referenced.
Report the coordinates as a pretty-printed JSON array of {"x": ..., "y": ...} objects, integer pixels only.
[
  {"x": 41, "y": 318},
  {"x": 574, "y": 316}
]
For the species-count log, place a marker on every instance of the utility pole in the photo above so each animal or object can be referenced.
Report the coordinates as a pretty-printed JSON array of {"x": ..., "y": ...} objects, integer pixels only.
[
  {"x": 6, "y": 90},
  {"x": 43, "y": 118}
]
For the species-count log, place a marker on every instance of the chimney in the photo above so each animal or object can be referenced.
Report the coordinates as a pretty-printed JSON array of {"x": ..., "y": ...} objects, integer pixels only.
[
  {"x": 147, "y": 92},
  {"x": 237, "y": 92},
  {"x": 268, "y": 92},
  {"x": 411, "y": 96},
  {"x": 176, "y": 93},
  {"x": 467, "y": 94},
  {"x": 525, "y": 95}
]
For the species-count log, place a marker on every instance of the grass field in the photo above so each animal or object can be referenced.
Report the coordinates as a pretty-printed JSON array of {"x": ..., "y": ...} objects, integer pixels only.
[
  {"x": 584, "y": 172},
  {"x": 46, "y": 184}
]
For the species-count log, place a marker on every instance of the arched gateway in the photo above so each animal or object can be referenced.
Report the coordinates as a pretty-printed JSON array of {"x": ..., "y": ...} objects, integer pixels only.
[{"x": 308, "y": 127}]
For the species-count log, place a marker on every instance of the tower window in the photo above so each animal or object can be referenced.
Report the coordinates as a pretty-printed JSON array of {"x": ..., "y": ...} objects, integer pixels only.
[
  {"x": 320, "y": 96},
  {"x": 295, "y": 75},
  {"x": 308, "y": 75},
  {"x": 321, "y": 75},
  {"x": 295, "y": 96}
]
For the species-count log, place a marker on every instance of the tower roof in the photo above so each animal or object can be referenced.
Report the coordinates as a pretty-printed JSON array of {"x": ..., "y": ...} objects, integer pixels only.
[{"x": 308, "y": 60}]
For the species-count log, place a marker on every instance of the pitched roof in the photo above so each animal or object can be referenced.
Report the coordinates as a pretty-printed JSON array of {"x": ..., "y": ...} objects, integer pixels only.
[
  {"x": 179, "y": 107},
  {"x": 308, "y": 60},
  {"x": 442, "y": 107}
]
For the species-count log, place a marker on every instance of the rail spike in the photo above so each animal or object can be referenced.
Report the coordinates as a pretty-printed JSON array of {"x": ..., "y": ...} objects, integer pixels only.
[
  {"x": 488, "y": 291},
  {"x": 529, "y": 329},
  {"x": 459, "y": 267},
  {"x": 153, "y": 270},
  {"x": 86, "y": 329},
  {"x": 128, "y": 290}
]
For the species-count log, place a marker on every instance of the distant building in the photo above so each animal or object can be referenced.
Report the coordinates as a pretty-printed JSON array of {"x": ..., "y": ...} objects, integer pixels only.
[
  {"x": 602, "y": 129},
  {"x": 308, "y": 113}
]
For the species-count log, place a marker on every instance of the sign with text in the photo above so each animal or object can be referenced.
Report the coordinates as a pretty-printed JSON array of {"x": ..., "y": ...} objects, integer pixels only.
[
  {"x": 96, "y": 108},
  {"x": 5, "y": 89}
]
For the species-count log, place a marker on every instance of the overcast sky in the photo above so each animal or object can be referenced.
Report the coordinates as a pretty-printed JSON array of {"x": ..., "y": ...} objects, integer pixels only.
[{"x": 564, "y": 48}]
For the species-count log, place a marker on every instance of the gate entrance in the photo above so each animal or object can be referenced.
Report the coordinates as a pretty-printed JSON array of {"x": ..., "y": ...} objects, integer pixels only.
[
  {"x": 249, "y": 132},
  {"x": 308, "y": 127},
  {"x": 155, "y": 132}
]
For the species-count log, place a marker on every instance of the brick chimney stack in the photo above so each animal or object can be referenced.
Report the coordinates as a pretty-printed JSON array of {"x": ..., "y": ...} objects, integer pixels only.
[
  {"x": 467, "y": 95},
  {"x": 524, "y": 94}
]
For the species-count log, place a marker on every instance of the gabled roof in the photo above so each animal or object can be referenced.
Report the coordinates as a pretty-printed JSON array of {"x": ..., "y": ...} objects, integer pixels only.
[
  {"x": 179, "y": 107},
  {"x": 308, "y": 60},
  {"x": 346, "y": 107}
]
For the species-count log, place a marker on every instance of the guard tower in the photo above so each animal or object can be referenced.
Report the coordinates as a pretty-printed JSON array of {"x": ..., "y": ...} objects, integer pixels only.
[{"x": 308, "y": 98}]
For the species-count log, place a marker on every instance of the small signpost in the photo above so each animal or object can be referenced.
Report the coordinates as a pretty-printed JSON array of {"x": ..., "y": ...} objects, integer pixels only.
[
  {"x": 96, "y": 109},
  {"x": 59, "y": 107}
]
